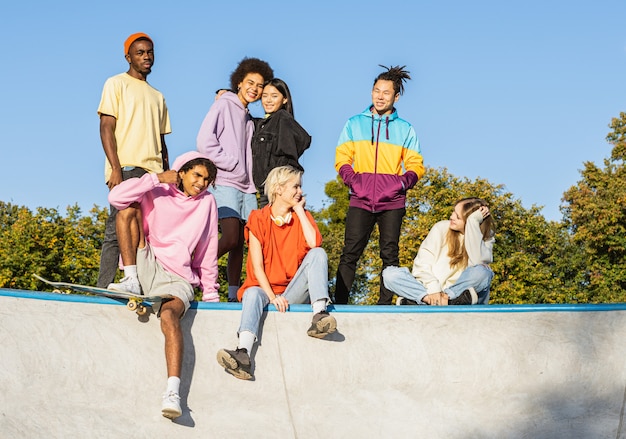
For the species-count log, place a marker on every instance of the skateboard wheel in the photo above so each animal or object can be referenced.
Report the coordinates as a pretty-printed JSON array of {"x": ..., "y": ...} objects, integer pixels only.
[
  {"x": 132, "y": 305},
  {"x": 142, "y": 310}
]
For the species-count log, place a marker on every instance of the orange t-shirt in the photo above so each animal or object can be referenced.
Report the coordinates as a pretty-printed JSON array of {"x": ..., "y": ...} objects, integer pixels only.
[{"x": 284, "y": 248}]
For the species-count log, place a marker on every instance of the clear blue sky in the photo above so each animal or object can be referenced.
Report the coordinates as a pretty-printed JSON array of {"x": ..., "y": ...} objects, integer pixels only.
[{"x": 519, "y": 93}]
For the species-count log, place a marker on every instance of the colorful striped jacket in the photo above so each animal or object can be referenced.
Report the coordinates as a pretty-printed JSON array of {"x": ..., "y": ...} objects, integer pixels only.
[{"x": 379, "y": 159}]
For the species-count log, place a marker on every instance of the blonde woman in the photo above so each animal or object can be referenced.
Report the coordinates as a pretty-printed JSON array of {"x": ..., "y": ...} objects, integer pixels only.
[
  {"x": 285, "y": 265},
  {"x": 452, "y": 263}
]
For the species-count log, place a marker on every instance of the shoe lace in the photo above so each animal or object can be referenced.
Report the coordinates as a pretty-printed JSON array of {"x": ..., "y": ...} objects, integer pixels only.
[
  {"x": 129, "y": 279},
  {"x": 172, "y": 396}
]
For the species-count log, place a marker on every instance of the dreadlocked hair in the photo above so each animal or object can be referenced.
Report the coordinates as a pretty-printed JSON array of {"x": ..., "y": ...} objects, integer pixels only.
[
  {"x": 456, "y": 245},
  {"x": 395, "y": 74}
]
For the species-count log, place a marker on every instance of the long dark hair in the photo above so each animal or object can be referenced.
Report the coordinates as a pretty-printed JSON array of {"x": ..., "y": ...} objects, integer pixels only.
[{"x": 281, "y": 86}]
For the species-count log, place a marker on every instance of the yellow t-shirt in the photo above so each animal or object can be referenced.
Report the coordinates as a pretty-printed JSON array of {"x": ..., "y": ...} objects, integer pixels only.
[{"x": 141, "y": 117}]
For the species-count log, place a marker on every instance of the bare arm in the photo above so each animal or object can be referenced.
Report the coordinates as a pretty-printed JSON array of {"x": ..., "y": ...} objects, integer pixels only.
[
  {"x": 308, "y": 230},
  {"x": 109, "y": 144}
]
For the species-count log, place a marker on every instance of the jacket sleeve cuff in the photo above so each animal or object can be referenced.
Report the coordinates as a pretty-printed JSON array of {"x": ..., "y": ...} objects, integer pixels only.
[
  {"x": 346, "y": 172},
  {"x": 155, "y": 179},
  {"x": 212, "y": 296},
  {"x": 477, "y": 215},
  {"x": 409, "y": 179}
]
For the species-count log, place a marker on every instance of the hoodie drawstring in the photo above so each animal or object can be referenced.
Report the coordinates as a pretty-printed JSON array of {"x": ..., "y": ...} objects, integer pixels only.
[{"x": 386, "y": 128}]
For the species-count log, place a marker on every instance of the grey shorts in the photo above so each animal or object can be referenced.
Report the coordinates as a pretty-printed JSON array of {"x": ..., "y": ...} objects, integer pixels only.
[
  {"x": 155, "y": 280},
  {"x": 232, "y": 203}
]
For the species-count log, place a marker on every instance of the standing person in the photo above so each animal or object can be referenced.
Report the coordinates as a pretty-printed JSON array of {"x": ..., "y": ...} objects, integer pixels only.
[
  {"x": 133, "y": 123},
  {"x": 225, "y": 136},
  {"x": 285, "y": 265},
  {"x": 278, "y": 139},
  {"x": 372, "y": 151},
  {"x": 452, "y": 264},
  {"x": 167, "y": 225}
]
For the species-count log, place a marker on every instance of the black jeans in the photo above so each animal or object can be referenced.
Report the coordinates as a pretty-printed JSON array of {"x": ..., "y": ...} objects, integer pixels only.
[
  {"x": 359, "y": 226},
  {"x": 110, "y": 255}
]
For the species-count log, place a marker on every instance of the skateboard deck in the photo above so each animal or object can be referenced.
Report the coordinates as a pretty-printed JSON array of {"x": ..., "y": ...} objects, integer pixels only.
[{"x": 134, "y": 302}]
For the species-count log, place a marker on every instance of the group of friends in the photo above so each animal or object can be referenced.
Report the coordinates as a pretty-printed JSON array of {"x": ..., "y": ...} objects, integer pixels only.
[{"x": 169, "y": 224}]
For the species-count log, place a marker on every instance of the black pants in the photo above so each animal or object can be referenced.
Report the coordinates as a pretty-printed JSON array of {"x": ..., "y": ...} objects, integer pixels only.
[
  {"x": 359, "y": 226},
  {"x": 110, "y": 255}
]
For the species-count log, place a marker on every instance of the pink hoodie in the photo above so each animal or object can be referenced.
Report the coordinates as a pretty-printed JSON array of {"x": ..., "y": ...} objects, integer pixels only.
[{"x": 181, "y": 230}]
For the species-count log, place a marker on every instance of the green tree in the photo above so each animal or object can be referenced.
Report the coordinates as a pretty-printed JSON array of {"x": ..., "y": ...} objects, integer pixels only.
[
  {"x": 534, "y": 260},
  {"x": 595, "y": 213},
  {"x": 578, "y": 260},
  {"x": 61, "y": 248}
]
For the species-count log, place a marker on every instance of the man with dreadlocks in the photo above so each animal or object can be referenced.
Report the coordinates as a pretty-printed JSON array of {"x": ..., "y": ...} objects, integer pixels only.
[{"x": 378, "y": 157}]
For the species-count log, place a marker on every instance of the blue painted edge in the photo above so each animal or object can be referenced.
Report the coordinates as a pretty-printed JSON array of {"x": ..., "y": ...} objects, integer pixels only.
[{"x": 361, "y": 309}]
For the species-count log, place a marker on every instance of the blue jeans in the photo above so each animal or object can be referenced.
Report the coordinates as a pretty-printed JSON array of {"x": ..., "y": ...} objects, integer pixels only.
[
  {"x": 401, "y": 281},
  {"x": 232, "y": 203},
  {"x": 309, "y": 285}
]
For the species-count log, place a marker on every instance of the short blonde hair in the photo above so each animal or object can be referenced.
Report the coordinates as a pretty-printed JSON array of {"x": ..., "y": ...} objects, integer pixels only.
[{"x": 277, "y": 178}]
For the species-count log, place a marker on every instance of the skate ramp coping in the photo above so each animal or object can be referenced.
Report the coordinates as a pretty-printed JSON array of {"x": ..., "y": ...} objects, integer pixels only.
[{"x": 74, "y": 366}]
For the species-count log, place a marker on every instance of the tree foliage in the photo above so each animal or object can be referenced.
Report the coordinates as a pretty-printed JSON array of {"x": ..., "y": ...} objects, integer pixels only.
[
  {"x": 594, "y": 211},
  {"x": 60, "y": 248},
  {"x": 529, "y": 250},
  {"x": 577, "y": 260}
]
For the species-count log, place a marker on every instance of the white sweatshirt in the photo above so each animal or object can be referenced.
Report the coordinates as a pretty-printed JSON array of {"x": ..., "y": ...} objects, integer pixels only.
[{"x": 432, "y": 263}]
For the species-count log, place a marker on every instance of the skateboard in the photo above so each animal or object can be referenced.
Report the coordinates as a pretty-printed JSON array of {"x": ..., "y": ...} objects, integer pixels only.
[{"x": 134, "y": 302}]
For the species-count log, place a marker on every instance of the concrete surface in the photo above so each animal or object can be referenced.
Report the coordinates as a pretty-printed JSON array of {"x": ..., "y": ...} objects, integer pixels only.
[{"x": 81, "y": 367}]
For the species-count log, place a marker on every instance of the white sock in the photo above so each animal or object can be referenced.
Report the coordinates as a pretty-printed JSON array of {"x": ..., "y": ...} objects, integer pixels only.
[
  {"x": 130, "y": 271},
  {"x": 232, "y": 291},
  {"x": 319, "y": 306},
  {"x": 246, "y": 340},
  {"x": 173, "y": 384}
]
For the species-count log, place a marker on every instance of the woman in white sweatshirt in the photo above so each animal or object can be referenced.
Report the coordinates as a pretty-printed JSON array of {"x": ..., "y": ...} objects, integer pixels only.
[{"x": 452, "y": 264}]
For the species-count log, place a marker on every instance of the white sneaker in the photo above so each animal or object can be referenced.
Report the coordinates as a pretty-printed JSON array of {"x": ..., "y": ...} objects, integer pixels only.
[
  {"x": 129, "y": 284},
  {"x": 171, "y": 405}
]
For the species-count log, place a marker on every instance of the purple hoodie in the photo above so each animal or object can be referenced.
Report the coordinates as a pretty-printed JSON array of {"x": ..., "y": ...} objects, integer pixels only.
[
  {"x": 181, "y": 230},
  {"x": 224, "y": 137}
]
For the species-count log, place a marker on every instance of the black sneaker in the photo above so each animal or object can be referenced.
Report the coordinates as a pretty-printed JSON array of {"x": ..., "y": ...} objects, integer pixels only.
[
  {"x": 467, "y": 297},
  {"x": 404, "y": 301},
  {"x": 236, "y": 363},
  {"x": 322, "y": 325}
]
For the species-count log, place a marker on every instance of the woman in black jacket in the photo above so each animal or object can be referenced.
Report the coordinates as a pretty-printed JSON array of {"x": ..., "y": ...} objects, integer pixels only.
[{"x": 278, "y": 139}]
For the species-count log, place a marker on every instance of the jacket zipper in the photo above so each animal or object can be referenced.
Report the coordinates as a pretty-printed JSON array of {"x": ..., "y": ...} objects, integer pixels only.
[{"x": 376, "y": 167}]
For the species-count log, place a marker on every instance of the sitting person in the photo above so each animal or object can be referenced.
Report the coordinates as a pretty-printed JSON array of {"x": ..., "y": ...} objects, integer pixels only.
[
  {"x": 285, "y": 265},
  {"x": 167, "y": 231},
  {"x": 452, "y": 264}
]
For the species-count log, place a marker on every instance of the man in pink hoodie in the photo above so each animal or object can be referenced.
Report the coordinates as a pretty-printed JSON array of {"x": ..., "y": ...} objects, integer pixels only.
[{"x": 169, "y": 247}]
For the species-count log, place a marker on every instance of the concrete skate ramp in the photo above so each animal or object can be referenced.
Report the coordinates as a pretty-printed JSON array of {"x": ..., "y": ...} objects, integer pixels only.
[{"x": 79, "y": 367}]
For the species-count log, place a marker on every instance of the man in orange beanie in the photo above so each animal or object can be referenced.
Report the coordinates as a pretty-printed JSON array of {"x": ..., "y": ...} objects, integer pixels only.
[{"x": 133, "y": 123}]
